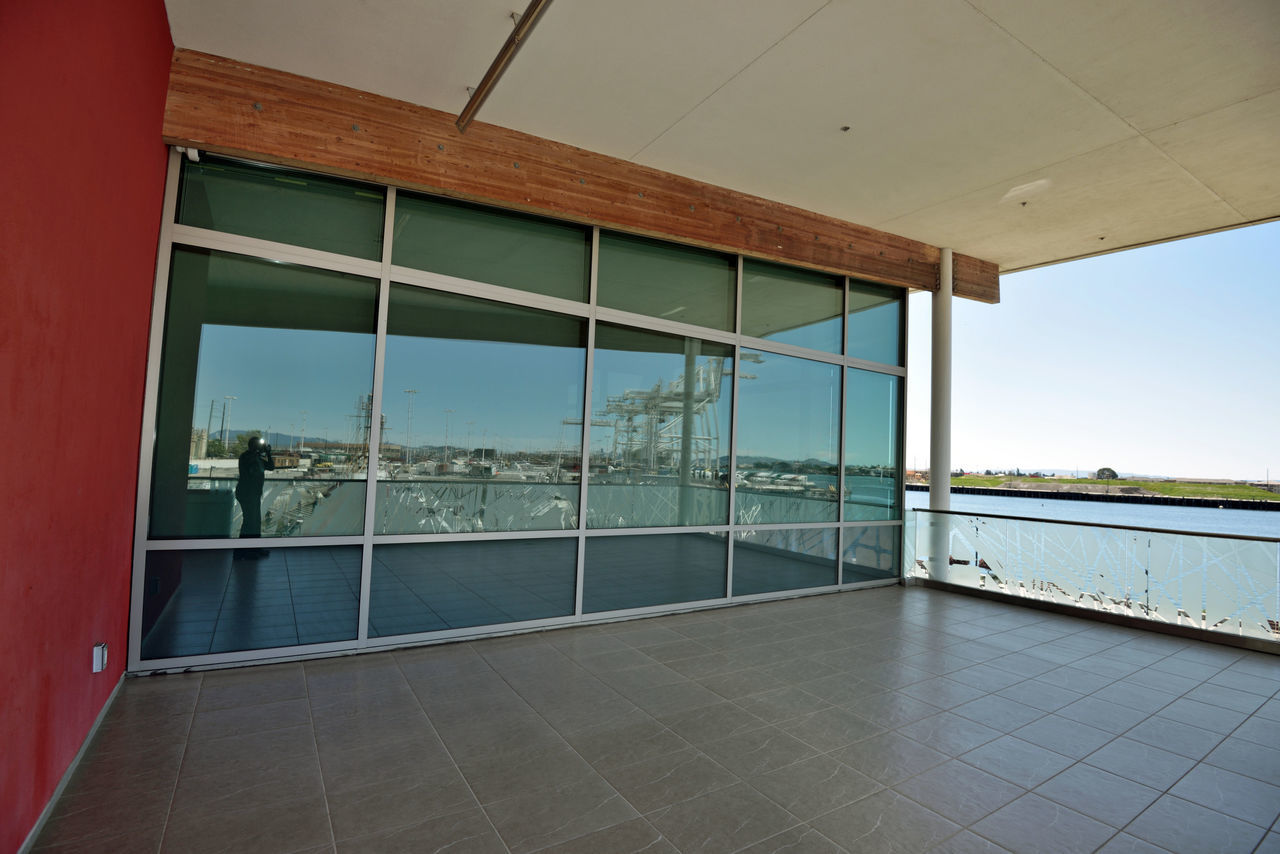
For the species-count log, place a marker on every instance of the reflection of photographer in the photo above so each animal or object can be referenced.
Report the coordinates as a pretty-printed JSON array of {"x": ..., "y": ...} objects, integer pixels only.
[{"x": 255, "y": 462}]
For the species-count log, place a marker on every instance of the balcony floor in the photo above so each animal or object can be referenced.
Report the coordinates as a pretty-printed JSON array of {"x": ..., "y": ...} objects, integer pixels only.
[{"x": 895, "y": 719}]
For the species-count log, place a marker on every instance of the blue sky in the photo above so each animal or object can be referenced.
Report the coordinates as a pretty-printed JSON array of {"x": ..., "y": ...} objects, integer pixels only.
[{"x": 1163, "y": 360}]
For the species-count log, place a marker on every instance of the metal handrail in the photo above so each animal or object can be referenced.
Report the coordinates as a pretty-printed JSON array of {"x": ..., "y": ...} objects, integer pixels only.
[{"x": 1101, "y": 525}]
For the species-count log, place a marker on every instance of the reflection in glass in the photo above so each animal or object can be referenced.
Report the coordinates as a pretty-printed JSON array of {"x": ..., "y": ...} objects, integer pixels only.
[
  {"x": 767, "y": 561},
  {"x": 666, "y": 280},
  {"x": 788, "y": 439},
  {"x": 483, "y": 410},
  {"x": 201, "y": 602},
  {"x": 298, "y": 208},
  {"x": 870, "y": 553},
  {"x": 425, "y": 587},
  {"x": 872, "y": 473},
  {"x": 875, "y": 323},
  {"x": 256, "y": 348},
  {"x": 656, "y": 569},
  {"x": 659, "y": 444},
  {"x": 792, "y": 306},
  {"x": 488, "y": 245}
]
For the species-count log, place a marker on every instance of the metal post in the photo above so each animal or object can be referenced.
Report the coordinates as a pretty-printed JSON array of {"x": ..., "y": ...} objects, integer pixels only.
[{"x": 940, "y": 418}]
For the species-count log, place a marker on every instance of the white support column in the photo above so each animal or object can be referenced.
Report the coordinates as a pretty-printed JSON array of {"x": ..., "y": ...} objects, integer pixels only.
[
  {"x": 940, "y": 399},
  {"x": 940, "y": 423}
]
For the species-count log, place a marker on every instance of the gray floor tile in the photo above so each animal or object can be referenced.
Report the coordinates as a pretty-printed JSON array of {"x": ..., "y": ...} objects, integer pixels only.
[
  {"x": 1227, "y": 792},
  {"x": 1035, "y": 825},
  {"x": 885, "y": 822},
  {"x": 339, "y": 755},
  {"x": 889, "y": 757},
  {"x": 1063, "y": 735},
  {"x": 814, "y": 786},
  {"x": 722, "y": 821},
  {"x": 959, "y": 792},
  {"x": 949, "y": 733},
  {"x": 665, "y": 780},
  {"x": 630, "y": 837},
  {"x": 1247, "y": 758},
  {"x": 1141, "y": 763},
  {"x": 469, "y": 831},
  {"x": 758, "y": 751},
  {"x": 797, "y": 840},
  {"x": 1017, "y": 761},
  {"x": 1175, "y": 736},
  {"x": 556, "y": 814},
  {"x": 830, "y": 729},
  {"x": 1182, "y": 826},
  {"x": 1098, "y": 794}
]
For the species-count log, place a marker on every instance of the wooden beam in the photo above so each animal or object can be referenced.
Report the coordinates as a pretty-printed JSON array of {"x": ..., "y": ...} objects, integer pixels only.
[{"x": 228, "y": 107}]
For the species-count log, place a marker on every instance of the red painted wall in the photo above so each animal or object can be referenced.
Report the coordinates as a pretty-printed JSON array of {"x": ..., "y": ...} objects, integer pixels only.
[{"x": 82, "y": 87}]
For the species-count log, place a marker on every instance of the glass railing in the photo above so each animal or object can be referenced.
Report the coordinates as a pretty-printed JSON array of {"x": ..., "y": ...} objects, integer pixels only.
[{"x": 1214, "y": 582}]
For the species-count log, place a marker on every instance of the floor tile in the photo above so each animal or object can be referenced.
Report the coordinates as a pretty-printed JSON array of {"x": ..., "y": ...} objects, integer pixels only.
[
  {"x": 1065, "y": 736},
  {"x": 1017, "y": 761},
  {"x": 630, "y": 837},
  {"x": 1227, "y": 792},
  {"x": 885, "y": 822},
  {"x": 1035, "y": 825},
  {"x": 711, "y": 723},
  {"x": 797, "y": 840},
  {"x": 1182, "y": 826},
  {"x": 814, "y": 786},
  {"x": 1175, "y": 736},
  {"x": 1102, "y": 714},
  {"x": 468, "y": 832},
  {"x": 998, "y": 712},
  {"x": 722, "y": 821},
  {"x": 1204, "y": 715},
  {"x": 556, "y": 814},
  {"x": 394, "y": 803},
  {"x": 665, "y": 780},
  {"x": 949, "y": 733},
  {"x": 966, "y": 842},
  {"x": 889, "y": 758},
  {"x": 1098, "y": 794},
  {"x": 830, "y": 729},
  {"x": 758, "y": 751},
  {"x": 959, "y": 792},
  {"x": 1141, "y": 763},
  {"x": 287, "y": 826},
  {"x": 1247, "y": 758}
]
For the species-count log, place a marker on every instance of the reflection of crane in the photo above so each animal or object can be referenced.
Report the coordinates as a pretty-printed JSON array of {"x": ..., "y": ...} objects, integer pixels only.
[{"x": 661, "y": 425}]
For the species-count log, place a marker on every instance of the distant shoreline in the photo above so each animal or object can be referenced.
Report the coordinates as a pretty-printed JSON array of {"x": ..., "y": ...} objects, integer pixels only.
[{"x": 1118, "y": 498}]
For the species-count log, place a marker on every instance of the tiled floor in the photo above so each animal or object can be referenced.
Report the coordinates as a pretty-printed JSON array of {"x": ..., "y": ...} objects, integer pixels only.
[{"x": 887, "y": 720}]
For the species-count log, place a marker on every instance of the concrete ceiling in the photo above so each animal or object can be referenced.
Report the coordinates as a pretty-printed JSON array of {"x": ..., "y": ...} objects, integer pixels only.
[{"x": 1020, "y": 131}]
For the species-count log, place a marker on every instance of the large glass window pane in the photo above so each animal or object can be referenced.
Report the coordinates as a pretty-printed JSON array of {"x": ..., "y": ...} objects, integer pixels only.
[
  {"x": 872, "y": 468},
  {"x": 792, "y": 306},
  {"x": 660, "y": 430},
  {"x": 492, "y": 246},
  {"x": 870, "y": 553},
  {"x": 768, "y": 561},
  {"x": 285, "y": 206},
  {"x": 426, "y": 587},
  {"x": 666, "y": 280},
  {"x": 875, "y": 323},
  {"x": 788, "y": 439},
  {"x": 658, "y": 569},
  {"x": 219, "y": 600},
  {"x": 257, "y": 351},
  {"x": 482, "y": 404}
]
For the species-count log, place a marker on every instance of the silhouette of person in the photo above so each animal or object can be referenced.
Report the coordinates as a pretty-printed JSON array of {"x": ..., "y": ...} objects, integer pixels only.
[{"x": 254, "y": 463}]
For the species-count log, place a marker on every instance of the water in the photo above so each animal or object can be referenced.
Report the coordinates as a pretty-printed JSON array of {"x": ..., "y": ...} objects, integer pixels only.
[{"x": 1210, "y": 520}]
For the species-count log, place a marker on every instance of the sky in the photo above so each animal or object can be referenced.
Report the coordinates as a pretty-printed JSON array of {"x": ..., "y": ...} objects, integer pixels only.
[{"x": 1163, "y": 360}]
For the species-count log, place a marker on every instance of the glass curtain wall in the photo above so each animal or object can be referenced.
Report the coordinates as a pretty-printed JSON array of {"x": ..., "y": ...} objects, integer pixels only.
[{"x": 480, "y": 419}]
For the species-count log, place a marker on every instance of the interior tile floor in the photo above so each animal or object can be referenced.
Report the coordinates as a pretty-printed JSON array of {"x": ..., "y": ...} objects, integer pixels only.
[{"x": 886, "y": 720}]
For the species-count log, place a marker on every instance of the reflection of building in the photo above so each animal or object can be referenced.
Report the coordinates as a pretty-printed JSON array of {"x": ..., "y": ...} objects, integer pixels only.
[
  {"x": 199, "y": 444},
  {"x": 80, "y": 251}
]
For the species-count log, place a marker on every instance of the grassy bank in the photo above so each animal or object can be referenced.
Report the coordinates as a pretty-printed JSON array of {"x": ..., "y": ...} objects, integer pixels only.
[{"x": 1177, "y": 490}]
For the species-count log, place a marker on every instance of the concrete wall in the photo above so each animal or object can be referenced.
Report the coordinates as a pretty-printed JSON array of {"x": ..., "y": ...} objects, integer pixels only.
[{"x": 83, "y": 87}]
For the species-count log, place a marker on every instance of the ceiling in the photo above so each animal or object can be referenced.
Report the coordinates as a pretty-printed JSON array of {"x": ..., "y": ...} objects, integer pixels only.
[{"x": 1022, "y": 132}]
